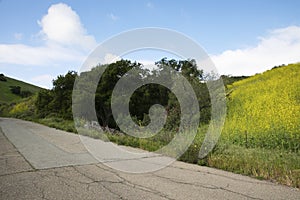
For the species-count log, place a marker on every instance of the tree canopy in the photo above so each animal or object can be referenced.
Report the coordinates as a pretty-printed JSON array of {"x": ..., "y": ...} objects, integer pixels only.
[{"x": 58, "y": 100}]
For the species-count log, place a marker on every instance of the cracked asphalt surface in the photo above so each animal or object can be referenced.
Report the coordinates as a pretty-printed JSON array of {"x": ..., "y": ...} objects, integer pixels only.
[{"x": 38, "y": 162}]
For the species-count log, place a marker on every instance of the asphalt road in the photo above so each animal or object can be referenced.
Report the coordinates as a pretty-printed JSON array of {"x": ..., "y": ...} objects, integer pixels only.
[{"x": 37, "y": 162}]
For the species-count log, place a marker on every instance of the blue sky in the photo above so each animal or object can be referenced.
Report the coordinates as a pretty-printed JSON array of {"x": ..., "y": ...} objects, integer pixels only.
[{"x": 242, "y": 37}]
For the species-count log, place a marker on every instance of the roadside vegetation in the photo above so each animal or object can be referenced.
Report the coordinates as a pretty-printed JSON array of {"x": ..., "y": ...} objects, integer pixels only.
[{"x": 260, "y": 138}]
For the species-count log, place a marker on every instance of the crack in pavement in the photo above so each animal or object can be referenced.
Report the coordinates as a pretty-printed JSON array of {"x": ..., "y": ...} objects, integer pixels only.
[
  {"x": 128, "y": 159},
  {"x": 19, "y": 172},
  {"x": 135, "y": 185},
  {"x": 93, "y": 181},
  {"x": 224, "y": 176},
  {"x": 79, "y": 180},
  {"x": 90, "y": 181},
  {"x": 15, "y": 148},
  {"x": 41, "y": 190},
  {"x": 212, "y": 187},
  {"x": 50, "y": 173}
]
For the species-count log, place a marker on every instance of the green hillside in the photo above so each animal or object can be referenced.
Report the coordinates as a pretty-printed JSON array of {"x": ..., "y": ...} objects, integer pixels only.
[
  {"x": 264, "y": 110},
  {"x": 260, "y": 138},
  {"x": 8, "y": 96}
]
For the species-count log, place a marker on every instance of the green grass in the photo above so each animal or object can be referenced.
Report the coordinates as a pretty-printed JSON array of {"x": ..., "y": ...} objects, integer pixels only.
[
  {"x": 264, "y": 110},
  {"x": 261, "y": 136},
  {"x": 270, "y": 164},
  {"x": 8, "y": 97},
  {"x": 58, "y": 123},
  {"x": 276, "y": 165}
]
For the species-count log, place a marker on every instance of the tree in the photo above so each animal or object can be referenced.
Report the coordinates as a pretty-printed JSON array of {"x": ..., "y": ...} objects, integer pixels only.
[
  {"x": 195, "y": 76},
  {"x": 62, "y": 93},
  {"x": 109, "y": 79},
  {"x": 58, "y": 100},
  {"x": 42, "y": 103}
]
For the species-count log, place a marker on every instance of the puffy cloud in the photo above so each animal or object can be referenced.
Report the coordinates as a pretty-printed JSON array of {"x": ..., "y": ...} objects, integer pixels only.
[
  {"x": 66, "y": 44},
  {"x": 62, "y": 25},
  {"x": 66, "y": 41},
  {"x": 281, "y": 46}
]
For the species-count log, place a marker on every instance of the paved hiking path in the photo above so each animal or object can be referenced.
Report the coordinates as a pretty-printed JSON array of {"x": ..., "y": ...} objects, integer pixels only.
[{"x": 38, "y": 162}]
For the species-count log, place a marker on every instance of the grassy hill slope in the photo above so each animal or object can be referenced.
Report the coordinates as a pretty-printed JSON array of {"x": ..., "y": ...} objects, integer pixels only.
[
  {"x": 264, "y": 110},
  {"x": 261, "y": 135},
  {"x": 260, "y": 138},
  {"x": 7, "y": 96}
]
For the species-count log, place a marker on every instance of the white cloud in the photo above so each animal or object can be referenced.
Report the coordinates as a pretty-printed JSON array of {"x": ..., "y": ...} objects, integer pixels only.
[
  {"x": 148, "y": 64},
  {"x": 43, "y": 55},
  {"x": 113, "y": 17},
  {"x": 281, "y": 46},
  {"x": 66, "y": 41},
  {"x": 44, "y": 80},
  {"x": 62, "y": 25},
  {"x": 94, "y": 60},
  {"x": 110, "y": 58}
]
